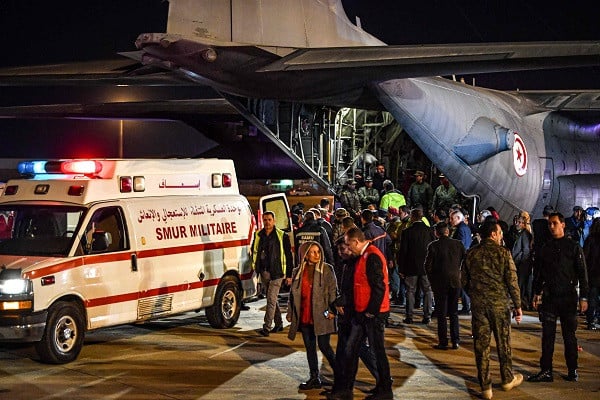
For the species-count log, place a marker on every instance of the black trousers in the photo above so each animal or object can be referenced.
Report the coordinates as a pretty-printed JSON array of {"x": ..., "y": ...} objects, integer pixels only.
[
  {"x": 365, "y": 353},
  {"x": 361, "y": 329},
  {"x": 446, "y": 305},
  {"x": 564, "y": 308},
  {"x": 310, "y": 343}
]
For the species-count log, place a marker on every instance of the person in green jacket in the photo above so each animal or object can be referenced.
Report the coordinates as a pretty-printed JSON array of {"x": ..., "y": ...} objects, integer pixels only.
[{"x": 391, "y": 198}]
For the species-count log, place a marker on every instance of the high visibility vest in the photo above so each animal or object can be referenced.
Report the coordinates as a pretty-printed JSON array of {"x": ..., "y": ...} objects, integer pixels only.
[
  {"x": 362, "y": 289},
  {"x": 283, "y": 259}
]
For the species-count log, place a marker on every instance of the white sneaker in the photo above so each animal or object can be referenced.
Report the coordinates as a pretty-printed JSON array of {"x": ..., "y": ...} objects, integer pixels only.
[
  {"x": 487, "y": 394},
  {"x": 517, "y": 380}
]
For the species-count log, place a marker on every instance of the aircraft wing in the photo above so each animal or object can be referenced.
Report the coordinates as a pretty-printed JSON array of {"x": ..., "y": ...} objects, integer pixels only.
[
  {"x": 338, "y": 76},
  {"x": 444, "y": 59},
  {"x": 564, "y": 100},
  {"x": 343, "y": 76},
  {"x": 104, "y": 89}
]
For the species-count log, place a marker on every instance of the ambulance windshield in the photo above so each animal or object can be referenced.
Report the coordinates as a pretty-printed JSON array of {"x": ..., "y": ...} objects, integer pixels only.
[{"x": 38, "y": 230}]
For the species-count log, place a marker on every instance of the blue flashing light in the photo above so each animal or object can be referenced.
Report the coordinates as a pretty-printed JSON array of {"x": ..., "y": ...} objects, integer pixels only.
[
  {"x": 32, "y": 167},
  {"x": 65, "y": 167}
]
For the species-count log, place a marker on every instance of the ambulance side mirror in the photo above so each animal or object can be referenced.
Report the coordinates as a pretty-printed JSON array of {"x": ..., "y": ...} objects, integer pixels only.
[{"x": 100, "y": 241}]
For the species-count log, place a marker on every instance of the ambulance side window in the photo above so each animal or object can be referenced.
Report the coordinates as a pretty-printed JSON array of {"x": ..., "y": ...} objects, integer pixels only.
[{"x": 105, "y": 232}]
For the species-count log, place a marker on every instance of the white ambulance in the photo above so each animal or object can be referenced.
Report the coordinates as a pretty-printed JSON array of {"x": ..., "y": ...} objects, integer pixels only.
[{"x": 86, "y": 244}]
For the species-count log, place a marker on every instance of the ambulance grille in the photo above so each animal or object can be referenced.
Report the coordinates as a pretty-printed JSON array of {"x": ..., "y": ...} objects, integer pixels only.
[{"x": 154, "y": 306}]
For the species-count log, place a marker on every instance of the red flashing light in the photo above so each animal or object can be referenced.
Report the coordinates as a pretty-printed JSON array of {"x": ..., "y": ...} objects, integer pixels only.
[
  {"x": 126, "y": 184},
  {"x": 68, "y": 167},
  {"x": 85, "y": 167},
  {"x": 227, "y": 180}
]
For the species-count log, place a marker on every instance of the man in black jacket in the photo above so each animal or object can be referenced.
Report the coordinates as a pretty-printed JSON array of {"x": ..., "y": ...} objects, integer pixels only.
[
  {"x": 442, "y": 264},
  {"x": 345, "y": 309},
  {"x": 413, "y": 248},
  {"x": 559, "y": 267},
  {"x": 273, "y": 261},
  {"x": 371, "y": 309}
]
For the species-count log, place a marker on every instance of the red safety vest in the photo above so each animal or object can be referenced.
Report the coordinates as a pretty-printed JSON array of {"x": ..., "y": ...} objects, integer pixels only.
[{"x": 362, "y": 290}]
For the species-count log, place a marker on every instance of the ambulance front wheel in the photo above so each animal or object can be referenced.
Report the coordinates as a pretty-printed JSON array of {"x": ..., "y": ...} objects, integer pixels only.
[
  {"x": 225, "y": 311},
  {"x": 63, "y": 338}
]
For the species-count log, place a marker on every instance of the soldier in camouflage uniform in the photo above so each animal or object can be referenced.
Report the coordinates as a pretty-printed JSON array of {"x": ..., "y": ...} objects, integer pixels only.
[
  {"x": 490, "y": 277},
  {"x": 444, "y": 195},
  {"x": 350, "y": 201},
  {"x": 420, "y": 192},
  {"x": 368, "y": 194}
]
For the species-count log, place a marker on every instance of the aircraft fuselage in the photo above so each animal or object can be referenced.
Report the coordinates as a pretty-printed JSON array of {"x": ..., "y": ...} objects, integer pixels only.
[{"x": 462, "y": 130}]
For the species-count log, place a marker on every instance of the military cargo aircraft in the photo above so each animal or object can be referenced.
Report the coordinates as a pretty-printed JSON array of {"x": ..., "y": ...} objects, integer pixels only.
[{"x": 513, "y": 150}]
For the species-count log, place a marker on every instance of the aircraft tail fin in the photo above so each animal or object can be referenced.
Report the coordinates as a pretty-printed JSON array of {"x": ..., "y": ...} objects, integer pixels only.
[{"x": 267, "y": 23}]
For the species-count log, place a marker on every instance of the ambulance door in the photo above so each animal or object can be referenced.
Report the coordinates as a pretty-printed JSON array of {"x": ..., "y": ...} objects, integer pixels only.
[
  {"x": 167, "y": 254},
  {"x": 277, "y": 203},
  {"x": 110, "y": 274}
]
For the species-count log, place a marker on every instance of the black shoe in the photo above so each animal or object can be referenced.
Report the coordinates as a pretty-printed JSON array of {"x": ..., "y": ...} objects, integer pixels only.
[
  {"x": 464, "y": 312},
  {"x": 573, "y": 376},
  {"x": 340, "y": 395},
  {"x": 244, "y": 307},
  {"x": 441, "y": 347},
  {"x": 426, "y": 321},
  {"x": 542, "y": 376},
  {"x": 381, "y": 394},
  {"x": 455, "y": 346},
  {"x": 263, "y": 332},
  {"x": 277, "y": 328},
  {"x": 408, "y": 321},
  {"x": 326, "y": 382},
  {"x": 312, "y": 383}
]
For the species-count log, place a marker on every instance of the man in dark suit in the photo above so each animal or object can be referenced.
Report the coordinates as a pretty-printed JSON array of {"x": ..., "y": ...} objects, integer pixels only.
[
  {"x": 442, "y": 264},
  {"x": 411, "y": 258}
]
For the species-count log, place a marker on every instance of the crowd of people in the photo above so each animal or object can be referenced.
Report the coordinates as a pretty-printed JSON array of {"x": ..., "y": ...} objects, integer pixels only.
[{"x": 377, "y": 248}]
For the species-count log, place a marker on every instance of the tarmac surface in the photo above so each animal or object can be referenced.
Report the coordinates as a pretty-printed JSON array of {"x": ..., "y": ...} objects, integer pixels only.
[{"x": 183, "y": 358}]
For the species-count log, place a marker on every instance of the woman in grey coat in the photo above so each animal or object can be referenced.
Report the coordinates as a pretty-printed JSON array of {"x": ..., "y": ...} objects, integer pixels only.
[{"x": 311, "y": 308}]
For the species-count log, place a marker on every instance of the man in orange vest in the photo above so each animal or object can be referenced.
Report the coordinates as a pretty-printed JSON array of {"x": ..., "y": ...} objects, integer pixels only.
[{"x": 371, "y": 309}]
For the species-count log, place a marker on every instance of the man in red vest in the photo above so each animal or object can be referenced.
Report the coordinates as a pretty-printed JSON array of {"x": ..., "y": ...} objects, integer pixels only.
[{"x": 371, "y": 309}]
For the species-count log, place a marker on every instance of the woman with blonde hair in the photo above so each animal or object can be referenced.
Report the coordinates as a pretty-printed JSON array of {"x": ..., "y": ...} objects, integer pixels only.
[{"x": 311, "y": 308}]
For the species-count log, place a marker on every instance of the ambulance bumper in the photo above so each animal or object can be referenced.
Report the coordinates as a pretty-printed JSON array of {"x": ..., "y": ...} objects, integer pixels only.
[{"x": 23, "y": 328}]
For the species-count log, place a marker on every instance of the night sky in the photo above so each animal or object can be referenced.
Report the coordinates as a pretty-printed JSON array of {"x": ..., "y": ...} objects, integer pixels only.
[{"x": 42, "y": 32}]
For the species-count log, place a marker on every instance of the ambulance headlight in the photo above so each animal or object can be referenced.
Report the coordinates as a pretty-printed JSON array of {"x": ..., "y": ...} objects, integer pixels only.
[{"x": 15, "y": 286}]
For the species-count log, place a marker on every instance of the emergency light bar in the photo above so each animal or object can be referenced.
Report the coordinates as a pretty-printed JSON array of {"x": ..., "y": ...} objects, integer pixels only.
[{"x": 70, "y": 167}]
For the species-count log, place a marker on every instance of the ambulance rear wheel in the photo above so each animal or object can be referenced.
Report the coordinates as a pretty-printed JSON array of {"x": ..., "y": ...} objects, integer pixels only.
[
  {"x": 63, "y": 338},
  {"x": 225, "y": 311}
]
